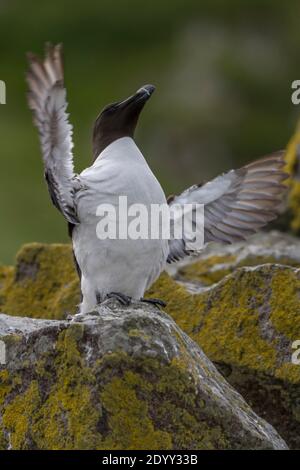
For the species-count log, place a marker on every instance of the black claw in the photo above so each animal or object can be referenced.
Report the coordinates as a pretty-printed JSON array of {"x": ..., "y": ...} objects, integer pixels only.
[
  {"x": 157, "y": 302},
  {"x": 122, "y": 298}
]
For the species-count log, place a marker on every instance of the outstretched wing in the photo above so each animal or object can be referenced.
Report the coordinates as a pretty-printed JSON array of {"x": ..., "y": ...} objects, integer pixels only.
[
  {"x": 47, "y": 100},
  {"x": 236, "y": 204}
]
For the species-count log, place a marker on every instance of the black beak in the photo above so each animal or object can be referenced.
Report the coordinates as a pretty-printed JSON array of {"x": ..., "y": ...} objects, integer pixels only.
[
  {"x": 141, "y": 96},
  {"x": 145, "y": 92}
]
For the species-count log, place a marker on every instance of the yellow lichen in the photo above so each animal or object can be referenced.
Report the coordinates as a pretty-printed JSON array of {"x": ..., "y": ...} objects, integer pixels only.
[
  {"x": 226, "y": 321},
  {"x": 81, "y": 407},
  {"x": 293, "y": 169},
  {"x": 212, "y": 269},
  {"x": 285, "y": 302},
  {"x": 208, "y": 270},
  {"x": 6, "y": 279},
  {"x": 229, "y": 329},
  {"x": 181, "y": 305},
  {"x": 44, "y": 283},
  {"x": 5, "y": 385},
  {"x": 3, "y": 441},
  {"x": 289, "y": 372},
  {"x": 129, "y": 423},
  {"x": 68, "y": 419},
  {"x": 162, "y": 401},
  {"x": 119, "y": 402},
  {"x": 18, "y": 414}
]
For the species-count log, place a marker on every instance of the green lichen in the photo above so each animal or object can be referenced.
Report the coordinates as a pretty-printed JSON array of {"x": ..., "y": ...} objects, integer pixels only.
[{"x": 44, "y": 283}]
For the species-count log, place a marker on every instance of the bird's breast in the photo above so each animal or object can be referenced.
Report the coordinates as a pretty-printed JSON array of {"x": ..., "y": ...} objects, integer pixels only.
[{"x": 121, "y": 173}]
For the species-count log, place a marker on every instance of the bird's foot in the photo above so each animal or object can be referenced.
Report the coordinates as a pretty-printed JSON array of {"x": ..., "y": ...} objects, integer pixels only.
[
  {"x": 122, "y": 298},
  {"x": 156, "y": 302}
]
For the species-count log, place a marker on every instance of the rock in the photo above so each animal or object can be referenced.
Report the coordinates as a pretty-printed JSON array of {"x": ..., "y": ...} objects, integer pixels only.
[
  {"x": 44, "y": 283},
  {"x": 119, "y": 378},
  {"x": 247, "y": 324},
  {"x": 293, "y": 168},
  {"x": 217, "y": 260}
]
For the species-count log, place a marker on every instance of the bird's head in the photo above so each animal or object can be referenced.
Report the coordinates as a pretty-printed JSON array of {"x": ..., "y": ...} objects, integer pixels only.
[{"x": 119, "y": 119}]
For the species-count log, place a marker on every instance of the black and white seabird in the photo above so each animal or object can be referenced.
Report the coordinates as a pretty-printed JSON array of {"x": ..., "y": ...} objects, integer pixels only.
[{"x": 236, "y": 204}]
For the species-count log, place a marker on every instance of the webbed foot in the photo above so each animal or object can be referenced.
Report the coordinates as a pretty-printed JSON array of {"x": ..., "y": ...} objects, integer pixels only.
[
  {"x": 122, "y": 298},
  {"x": 156, "y": 302}
]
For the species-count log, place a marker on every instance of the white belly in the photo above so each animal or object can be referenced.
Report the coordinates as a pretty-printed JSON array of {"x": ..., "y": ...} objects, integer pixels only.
[
  {"x": 123, "y": 266},
  {"x": 113, "y": 265}
]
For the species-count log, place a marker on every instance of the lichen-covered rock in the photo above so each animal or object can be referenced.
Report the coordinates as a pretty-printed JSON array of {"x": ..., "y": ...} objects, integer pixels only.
[
  {"x": 293, "y": 168},
  {"x": 44, "y": 283},
  {"x": 217, "y": 260},
  {"x": 119, "y": 378},
  {"x": 238, "y": 322},
  {"x": 247, "y": 324}
]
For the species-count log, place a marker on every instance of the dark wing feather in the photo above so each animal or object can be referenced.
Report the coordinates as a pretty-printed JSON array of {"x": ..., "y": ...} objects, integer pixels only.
[
  {"x": 47, "y": 100},
  {"x": 236, "y": 204}
]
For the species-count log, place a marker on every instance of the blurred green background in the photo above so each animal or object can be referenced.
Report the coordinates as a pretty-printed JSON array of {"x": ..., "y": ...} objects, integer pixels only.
[{"x": 223, "y": 72}]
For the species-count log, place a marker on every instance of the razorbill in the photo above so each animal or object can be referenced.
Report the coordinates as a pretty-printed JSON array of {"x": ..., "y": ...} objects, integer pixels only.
[{"x": 236, "y": 204}]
